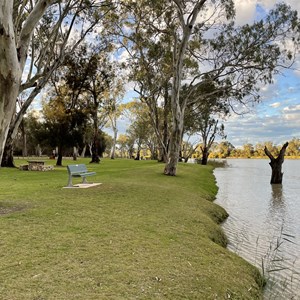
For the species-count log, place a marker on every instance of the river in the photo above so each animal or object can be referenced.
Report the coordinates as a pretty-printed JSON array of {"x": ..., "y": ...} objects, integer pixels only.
[{"x": 264, "y": 220}]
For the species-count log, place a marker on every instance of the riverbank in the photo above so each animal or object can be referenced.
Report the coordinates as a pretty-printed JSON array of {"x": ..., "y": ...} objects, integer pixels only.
[{"x": 138, "y": 235}]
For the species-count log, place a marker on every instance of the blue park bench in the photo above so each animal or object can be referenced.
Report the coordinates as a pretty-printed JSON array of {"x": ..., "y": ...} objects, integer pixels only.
[{"x": 79, "y": 170}]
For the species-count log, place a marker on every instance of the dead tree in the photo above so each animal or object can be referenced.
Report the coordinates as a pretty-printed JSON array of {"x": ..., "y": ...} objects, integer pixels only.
[{"x": 276, "y": 164}]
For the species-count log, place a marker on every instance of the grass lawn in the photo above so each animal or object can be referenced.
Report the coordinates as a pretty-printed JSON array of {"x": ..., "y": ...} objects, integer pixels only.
[{"x": 139, "y": 235}]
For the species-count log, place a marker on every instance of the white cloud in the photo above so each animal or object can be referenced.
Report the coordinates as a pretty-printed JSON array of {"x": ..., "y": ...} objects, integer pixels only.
[
  {"x": 295, "y": 108},
  {"x": 275, "y": 105},
  {"x": 292, "y": 115},
  {"x": 255, "y": 128},
  {"x": 245, "y": 11}
]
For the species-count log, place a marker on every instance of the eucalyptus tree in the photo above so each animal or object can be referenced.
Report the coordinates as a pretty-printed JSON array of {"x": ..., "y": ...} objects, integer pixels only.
[
  {"x": 114, "y": 109},
  {"x": 205, "y": 45},
  {"x": 125, "y": 145},
  {"x": 140, "y": 129},
  {"x": 248, "y": 150},
  {"x": 224, "y": 149},
  {"x": 203, "y": 116},
  {"x": 149, "y": 62},
  {"x": 236, "y": 59},
  {"x": 209, "y": 128},
  {"x": 294, "y": 147},
  {"x": 34, "y": 38},
  {"x": 142, "y": 132},
  {"x": 64, "y": 123},
  {"x": 259, "y": 148},
  {"x": 90, "y": 75}
]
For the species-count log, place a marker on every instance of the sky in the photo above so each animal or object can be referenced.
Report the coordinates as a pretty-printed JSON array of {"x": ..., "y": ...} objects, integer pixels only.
[{"x": 277, "y": 117}]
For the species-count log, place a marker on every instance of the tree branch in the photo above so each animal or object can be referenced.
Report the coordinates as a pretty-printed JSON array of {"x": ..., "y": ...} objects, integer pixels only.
[{"x": 26, "y": 32}]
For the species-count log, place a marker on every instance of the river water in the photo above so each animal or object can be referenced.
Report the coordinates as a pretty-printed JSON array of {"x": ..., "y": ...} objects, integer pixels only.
[{"x": 264, "y": 220}]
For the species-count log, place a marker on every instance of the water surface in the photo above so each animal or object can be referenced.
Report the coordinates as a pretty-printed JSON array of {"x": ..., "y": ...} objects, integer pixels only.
[{"x": 264, "y": 220}]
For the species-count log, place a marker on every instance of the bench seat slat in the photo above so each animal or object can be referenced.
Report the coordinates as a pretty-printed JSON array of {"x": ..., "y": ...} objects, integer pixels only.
[{"x": 83, "y": 174}]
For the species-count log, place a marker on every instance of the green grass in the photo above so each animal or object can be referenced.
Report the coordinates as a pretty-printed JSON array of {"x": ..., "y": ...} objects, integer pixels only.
[{"x": 139, "y": 235}]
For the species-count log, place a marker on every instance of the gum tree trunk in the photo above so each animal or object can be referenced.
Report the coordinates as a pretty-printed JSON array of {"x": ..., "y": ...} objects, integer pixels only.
[
  {"x": 24, "y": 139},
  {"x": 177, "y": 106},
  {"x": 10, "y": 71},
  {"x": 205, "y": 154},
  {"x": 175, "y": 145},
  {"x": 115, "y": 131},
  {"x": 59, "y": 156},
  {"x": 276, "y": 164},
  {"x": 8, "y": 158},
  {"x": 95, "y": 146},
  {"x": 13, "y": 54}
]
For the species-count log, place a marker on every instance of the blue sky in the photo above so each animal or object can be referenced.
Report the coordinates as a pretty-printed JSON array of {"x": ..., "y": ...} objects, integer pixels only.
[{"x": 277, "y": 117}]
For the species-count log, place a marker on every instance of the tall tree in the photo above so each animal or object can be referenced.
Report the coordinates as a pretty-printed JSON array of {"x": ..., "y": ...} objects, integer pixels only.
[
  {"x": 90, "y": 75},
  {"x": 37, "y": 34},
  {"x": 294, "y": 147},
  {"x": 203, "y": 116},
  {"x": 140, "y": 128},
  {"x": 63, "y": 122},
  {"x": 149, "y": 62},
  {"x": 206, "y": 45},
  {"x": 241, "y": 57},
  {"x": 114, "y": 111},
  {"x": 126, "y": 145},
  {"x": 248, "y": 150},
  {"x": 224, "y": 149}
]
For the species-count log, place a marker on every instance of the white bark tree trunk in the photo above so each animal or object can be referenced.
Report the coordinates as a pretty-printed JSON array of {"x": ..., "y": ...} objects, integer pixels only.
[
  {"x": 113, "y": 120},
  {"x": 178, "y": 109},
  {"x": 10, "y": 72},
  {"x": 13, "y": 53},
  {"x": 83, "y": 151}
]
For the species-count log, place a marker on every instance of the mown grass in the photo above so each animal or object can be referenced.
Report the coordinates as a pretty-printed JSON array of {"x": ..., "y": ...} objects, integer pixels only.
[{"x": 139, "y": 235}]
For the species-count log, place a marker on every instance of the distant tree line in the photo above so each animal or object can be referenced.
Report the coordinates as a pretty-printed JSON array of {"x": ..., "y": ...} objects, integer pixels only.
[{"x": 226, "y": 149}]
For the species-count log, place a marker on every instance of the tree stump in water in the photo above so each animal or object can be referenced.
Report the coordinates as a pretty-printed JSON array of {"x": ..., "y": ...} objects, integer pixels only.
[{"x": 276, "y": 164}]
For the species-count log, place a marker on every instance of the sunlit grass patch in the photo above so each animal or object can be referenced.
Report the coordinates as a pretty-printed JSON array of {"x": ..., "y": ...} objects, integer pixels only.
[{"x": 138, "y": 235}]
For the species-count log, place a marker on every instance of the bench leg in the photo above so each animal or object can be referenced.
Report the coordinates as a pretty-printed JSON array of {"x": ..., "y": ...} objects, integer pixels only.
[
  {"x": 70, "y": 182},
  {"x": 84, "y": 180}
]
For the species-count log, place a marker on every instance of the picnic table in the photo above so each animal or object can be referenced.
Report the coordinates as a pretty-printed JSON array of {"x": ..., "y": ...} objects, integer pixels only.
[{"x": 35, "y": 165}]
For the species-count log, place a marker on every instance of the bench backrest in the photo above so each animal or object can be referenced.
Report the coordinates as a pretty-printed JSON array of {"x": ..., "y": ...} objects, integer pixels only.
[{"x": 76, "y": 169}]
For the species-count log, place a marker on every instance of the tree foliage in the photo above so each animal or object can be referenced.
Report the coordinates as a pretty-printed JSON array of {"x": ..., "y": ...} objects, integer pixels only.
[
  {"x": 38, "y": 34},
  {"x": 89, "y": 76},
  {"x": 197, "y": 42},
  {"x": 63, "y": 124}
]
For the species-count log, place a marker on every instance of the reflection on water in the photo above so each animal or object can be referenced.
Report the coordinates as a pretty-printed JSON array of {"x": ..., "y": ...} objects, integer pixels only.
[
  {"x": 277, "y": 200},
  {"x": 264, "y": 224}
]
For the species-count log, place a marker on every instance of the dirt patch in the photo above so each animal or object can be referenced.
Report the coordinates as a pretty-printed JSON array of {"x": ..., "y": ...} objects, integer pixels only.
[{"x": 5, "y": 210}]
